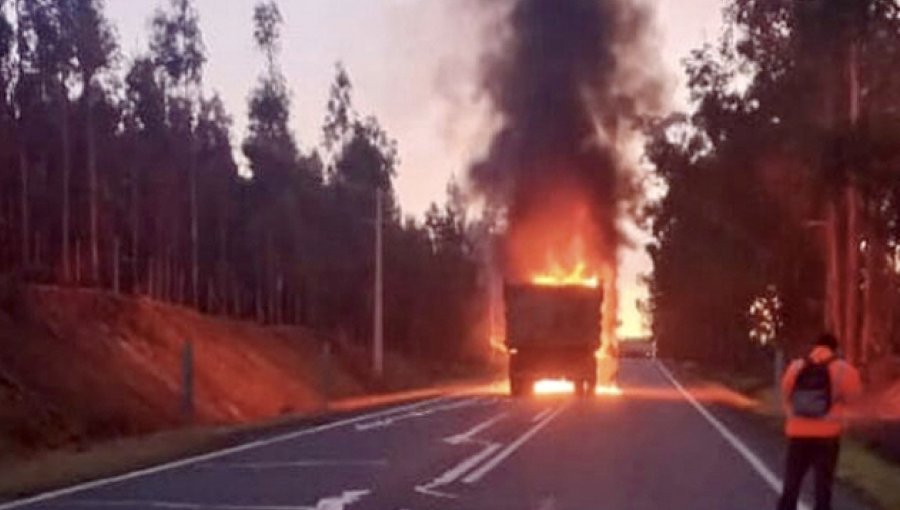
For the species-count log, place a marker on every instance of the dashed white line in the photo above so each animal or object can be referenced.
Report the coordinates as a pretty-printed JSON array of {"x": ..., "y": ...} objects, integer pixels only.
[{"x": 541, "y": 415}]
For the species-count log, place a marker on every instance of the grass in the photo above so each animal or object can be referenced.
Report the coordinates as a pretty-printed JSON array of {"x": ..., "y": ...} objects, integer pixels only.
[
  {"x": 19, "y": 478},
  {"x": 64, "y": 468},
  {"x": 876, "y": 477}
]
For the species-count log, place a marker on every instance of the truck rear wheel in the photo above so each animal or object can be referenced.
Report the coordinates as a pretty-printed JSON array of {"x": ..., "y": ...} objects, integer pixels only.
[
  {"x": 585, "y": 387},
  {"x": 518, "y": 387},
  {"x": 590, "y": 386}
]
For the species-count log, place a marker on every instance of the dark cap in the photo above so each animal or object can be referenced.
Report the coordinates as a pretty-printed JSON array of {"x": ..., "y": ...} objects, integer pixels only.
[{"x": 827, "y": 340}]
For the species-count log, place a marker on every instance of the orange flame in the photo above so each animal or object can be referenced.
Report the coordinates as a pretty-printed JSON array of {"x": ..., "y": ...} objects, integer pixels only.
[
  {"x": 559, "y": 277},
  {"x": 609, "y": 390},
  {"x": 559, "y": 244}
]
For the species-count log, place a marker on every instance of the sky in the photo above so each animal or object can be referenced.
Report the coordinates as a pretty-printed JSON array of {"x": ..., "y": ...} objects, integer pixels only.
[{"x": 414, "y": 65}]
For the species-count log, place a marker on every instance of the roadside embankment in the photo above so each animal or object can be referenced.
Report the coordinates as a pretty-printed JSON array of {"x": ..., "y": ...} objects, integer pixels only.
[{"x": 92, "y": 383}]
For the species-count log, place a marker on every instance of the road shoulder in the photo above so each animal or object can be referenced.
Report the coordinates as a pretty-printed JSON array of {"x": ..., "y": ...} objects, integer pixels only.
[
  {"x": 54, "y": 470},
  {"x": 865, "y": 479}
]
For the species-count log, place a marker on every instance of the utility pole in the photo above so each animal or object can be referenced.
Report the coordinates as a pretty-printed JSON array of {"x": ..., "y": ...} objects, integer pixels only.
[{"x": 378, "y": 315}]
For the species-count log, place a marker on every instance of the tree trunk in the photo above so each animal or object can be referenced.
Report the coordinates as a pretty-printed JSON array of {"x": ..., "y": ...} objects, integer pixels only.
[
  {"x": 834, "y": 320},
  {"x": 115, "y": 268},
  {"x": 135, "y": 231},
  {"x": 66, "y": 177},
  {"x": 877, "y": 304},
  {"x": 852, "y": 276},
  {"x": 38, "y": 248},
  {"x": 150, "y": 288},
  {"x": 195, "y": 248},
  {"x": 77, "y": 262},
  {"x": 92, "y": 181},
  {"x": 24, "y": 204}
]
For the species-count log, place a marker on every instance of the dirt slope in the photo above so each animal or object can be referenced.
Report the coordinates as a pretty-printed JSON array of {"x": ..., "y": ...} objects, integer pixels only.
[{"x": 78, "y": 365}]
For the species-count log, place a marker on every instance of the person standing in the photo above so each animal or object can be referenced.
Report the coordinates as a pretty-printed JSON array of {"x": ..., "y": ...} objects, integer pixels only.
[{"x": 816, "y": 391}]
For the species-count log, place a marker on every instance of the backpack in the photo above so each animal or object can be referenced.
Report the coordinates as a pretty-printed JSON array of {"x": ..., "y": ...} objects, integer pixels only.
[{"x": 811, "y": 397}]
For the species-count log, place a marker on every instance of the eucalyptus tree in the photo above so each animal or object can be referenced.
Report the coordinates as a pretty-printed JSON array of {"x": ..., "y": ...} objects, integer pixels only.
[{"x": 177, "y": 48}]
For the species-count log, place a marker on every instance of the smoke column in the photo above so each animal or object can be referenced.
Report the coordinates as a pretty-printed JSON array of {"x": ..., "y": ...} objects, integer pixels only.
[{"x": 569, "y": 84}]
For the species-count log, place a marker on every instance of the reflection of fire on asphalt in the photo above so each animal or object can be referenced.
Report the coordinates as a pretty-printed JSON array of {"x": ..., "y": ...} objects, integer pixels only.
[
  {"x": 564, "y": 387},
  {"x": 553, "y": 387}
]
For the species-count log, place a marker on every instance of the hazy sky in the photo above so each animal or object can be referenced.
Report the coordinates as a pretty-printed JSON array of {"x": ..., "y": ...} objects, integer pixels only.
[{"x": 414, "y": 66}]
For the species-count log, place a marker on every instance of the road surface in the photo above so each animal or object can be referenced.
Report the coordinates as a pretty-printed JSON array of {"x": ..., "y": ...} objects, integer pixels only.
[{"x": 652, "y": 448}]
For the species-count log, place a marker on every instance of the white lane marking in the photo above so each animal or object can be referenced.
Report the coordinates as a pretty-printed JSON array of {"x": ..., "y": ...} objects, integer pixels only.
[
  {"x": 295, "y": 464},
  {"x": 752, "y": 458},
  {"x": 540, "y": 416},
  {"x": 176, "y": 505},
  {"x": 466, "y": 465},
  {"x": 344, "y": 500},
  {"x": 487, "y": 467},
  {"x": 477, "y": 429},
  {"x": 390, "y": 420},
  {"x": 216, "y": 454},
  {"x": 330, "y": 503},
  {"x": 547, "y": 504},
  {"x": 452, "y": 474}
]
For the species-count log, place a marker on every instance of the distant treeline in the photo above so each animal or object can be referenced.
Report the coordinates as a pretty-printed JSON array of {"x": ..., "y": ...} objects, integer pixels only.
[
  {"x": 782, "y": 217},
  {"x": 119, "y": 173}
]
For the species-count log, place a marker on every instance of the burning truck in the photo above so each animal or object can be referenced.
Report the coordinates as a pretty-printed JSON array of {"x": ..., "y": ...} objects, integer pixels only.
[
  {"x": 569, "y": 82},
  {"x": 552, "y": 333}
]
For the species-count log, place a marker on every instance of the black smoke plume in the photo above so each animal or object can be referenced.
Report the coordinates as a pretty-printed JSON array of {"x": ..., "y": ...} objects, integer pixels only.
[{"x": 569, "y": 86}]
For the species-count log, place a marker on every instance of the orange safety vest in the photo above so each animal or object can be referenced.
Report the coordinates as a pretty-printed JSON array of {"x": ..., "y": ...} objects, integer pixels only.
[{"x": 845, "y": 386}]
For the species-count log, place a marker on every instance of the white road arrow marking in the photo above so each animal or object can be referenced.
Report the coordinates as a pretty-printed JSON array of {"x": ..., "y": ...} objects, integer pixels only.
[
  {"x": 489, "y": 466},
  {"x": 463, "y": 467},
  {"x": 467, "y": 436},
  {"x": 344, "y": 500}
]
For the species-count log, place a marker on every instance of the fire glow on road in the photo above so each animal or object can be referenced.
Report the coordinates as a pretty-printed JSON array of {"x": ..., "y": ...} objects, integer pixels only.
[
  {"x": 609, "y": 390},
  {"x": 564, "y": 387},
  {"x": 553, "y": 387}
]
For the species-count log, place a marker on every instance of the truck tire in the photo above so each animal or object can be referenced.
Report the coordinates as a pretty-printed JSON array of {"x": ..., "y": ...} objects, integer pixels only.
[
  {"x": 517, "y": 387},
  {"x": 590, "y": 386},
  {"x": 585, "y": 387}
]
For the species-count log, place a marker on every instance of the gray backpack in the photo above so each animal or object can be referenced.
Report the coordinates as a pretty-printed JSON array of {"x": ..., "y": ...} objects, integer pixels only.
[{"x": 811, "y": 397}]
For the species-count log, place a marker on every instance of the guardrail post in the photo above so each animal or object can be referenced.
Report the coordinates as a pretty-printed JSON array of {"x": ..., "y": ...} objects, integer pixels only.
[
  {"x": 187, "y": 377},
  {"x": 326, "y": 375}
]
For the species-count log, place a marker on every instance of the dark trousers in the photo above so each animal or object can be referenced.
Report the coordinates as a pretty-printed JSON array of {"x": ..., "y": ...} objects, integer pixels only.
[{"x": 802, "y": 454}]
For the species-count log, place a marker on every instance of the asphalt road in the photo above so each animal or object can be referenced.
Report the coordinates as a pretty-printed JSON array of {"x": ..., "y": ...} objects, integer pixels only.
[{"x": 652, "y": 448}]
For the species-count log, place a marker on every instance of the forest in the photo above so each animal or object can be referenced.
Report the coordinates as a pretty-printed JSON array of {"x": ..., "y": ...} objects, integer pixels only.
[
  {"x": 781, "y": 216},
  {"x": 121, "y": 172},
  {"x": 782, "y": 213}
]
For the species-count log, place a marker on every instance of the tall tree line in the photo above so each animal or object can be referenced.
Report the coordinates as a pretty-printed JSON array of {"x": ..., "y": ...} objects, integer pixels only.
[
  {"x": 120, "y": 173},
  {"x": 783, "y": 184}
]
